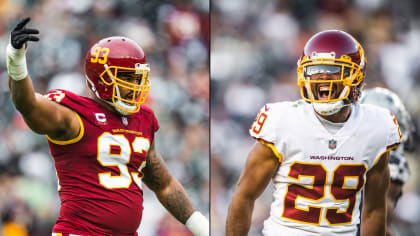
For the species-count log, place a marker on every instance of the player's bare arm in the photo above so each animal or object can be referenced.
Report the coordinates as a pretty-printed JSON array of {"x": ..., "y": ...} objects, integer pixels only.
[
  {"x": 168, "y": 190},
  {"x": 374, "y": 201},
  {"x": 41, "y": 115},
  {"x": 260, "y": 167},
  {"x": 394, "y": 193},
  {"x": 172, "y": 195}
]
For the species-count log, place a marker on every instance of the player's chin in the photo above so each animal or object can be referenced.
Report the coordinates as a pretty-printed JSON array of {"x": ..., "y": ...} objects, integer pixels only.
[{"x": 129, "y": 97}]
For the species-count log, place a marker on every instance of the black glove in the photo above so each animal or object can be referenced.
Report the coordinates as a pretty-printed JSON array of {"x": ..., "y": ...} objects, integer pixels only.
[{"x": 20, "y": 35}]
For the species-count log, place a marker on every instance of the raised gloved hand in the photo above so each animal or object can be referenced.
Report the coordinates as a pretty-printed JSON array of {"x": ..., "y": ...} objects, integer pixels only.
[
  {"x": 20, "y": 34},
  {"x": 15, "y": 53}
]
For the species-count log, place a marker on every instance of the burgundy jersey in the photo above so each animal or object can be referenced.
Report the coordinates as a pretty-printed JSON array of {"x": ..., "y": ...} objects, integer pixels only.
[{"x": 100, "y": 171}]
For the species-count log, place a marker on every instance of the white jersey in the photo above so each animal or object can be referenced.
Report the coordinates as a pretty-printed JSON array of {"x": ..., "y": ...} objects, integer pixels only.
[{"x": 317, "y": 189}]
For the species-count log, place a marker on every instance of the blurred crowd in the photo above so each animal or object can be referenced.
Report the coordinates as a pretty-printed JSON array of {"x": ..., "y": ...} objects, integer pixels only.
[
  {"x": 175, "y": 37},
  {"x": 255, "y": 46}
]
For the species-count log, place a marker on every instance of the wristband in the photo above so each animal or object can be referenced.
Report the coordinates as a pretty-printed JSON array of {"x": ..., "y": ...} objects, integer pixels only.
[
  {"x": 198, "y": 224},
  {"x": 16, "y": 63}
]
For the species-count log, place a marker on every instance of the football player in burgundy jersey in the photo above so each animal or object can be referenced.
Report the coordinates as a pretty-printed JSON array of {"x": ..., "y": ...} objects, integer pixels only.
[
  {"x": 321, "y": 151},
  {"x": 103, "y": 147}
]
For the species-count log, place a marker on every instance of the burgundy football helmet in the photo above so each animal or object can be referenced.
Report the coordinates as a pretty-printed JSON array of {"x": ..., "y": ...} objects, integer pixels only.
[
  {"x": 331, "y": 52},
  {"x": 109, "y": 57}
]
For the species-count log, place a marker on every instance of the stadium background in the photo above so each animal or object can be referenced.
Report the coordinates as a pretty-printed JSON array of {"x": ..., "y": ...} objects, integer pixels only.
[
  {"x": 254, "y": 49},
  {"x": 175, "y": 37}
]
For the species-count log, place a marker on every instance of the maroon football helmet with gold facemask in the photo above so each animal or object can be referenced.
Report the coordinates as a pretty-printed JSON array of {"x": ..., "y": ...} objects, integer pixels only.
[
  {"x": 109, "y": 58},
  {"x": 337, "y": 53}
]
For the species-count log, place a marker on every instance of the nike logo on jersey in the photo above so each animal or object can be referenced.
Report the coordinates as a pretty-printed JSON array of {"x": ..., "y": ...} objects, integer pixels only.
[{"x": 266, "y": 108}]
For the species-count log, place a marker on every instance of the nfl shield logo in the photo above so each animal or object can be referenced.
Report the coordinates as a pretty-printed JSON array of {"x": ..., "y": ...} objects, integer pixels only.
[
  {"x": 332, "y": 144},
  {"x": 124, "y": 120}
]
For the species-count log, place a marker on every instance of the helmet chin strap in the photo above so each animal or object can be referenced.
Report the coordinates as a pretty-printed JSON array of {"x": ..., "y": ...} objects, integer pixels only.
[
  {"x": 122, "y": 104},
  {"x": 330, "y": 108}
]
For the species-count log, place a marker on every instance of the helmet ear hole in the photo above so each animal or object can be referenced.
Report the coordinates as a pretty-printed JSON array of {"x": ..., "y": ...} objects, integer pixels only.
[{"x": 100, "y": 82}]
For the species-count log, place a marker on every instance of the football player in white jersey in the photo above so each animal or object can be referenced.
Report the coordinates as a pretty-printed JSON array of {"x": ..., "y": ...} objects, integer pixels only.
[
  {"x": 320, "y": 152},
  {"x": 398, "y": 165}
]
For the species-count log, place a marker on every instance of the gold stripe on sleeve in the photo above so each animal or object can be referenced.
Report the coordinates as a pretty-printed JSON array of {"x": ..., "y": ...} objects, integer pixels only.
[
  {"x": 73, "y": 140},
  {"x": 389, "y": 148},
  {"x": 273, "y": 148}
]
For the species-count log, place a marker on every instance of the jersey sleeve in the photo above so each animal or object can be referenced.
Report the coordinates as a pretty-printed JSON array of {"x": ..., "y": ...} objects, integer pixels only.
[
  {"x": 395, "y": 136},
  {"x": 149, "y": 114},
  {"x": 265, "y": 129},
  {"x": 57, "y": 95},
  {"x": 155, "y": 123},
  {"x": 67, "y": 99},
  {"x": 392, "y": 134}
]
